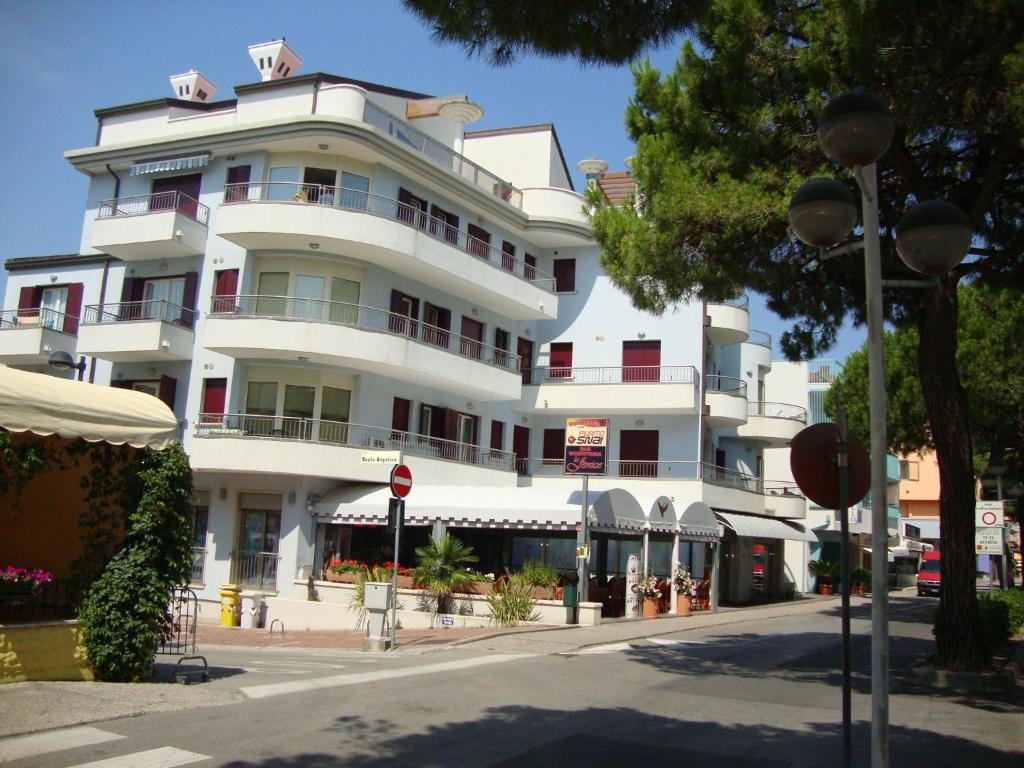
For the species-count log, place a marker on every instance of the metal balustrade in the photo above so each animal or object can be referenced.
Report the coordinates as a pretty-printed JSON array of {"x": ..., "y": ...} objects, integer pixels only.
[
  {"x": 245, "y": 425},
  {"x": 726, "y": 385},
  {"x": 760, "y": 338},
  {"x": 38, "y": 317},
  {"x": 778, "y": 411},
  {"x": 387, "y": 208},
  {"x": 630, "y": 374},
  {"x": 256, "y": 571},
  {"x": 155, "y": 203},
  {"x": 364, "y": 318},
  {"x": 440, "y": 154},
  {"x": 739, "y": 302},
  {"x": 125, "y": 311}
]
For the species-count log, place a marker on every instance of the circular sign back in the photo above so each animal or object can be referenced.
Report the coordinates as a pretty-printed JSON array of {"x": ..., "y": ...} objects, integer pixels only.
[
  {"x": 401, "y": 481},
  {"x": 812, "y": 457}
]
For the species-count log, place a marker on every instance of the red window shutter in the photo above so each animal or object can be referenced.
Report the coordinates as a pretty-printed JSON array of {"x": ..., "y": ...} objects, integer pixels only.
[
  {"x": 168, "y": 386},
  {"x": 529, "y": 266},
  {"x": 225, "y": 284},
  {"x": 508, "y": 256},
  {"x": 74, "y": 308},
  {"x": 638, "y": 452},
  {"x": 29, "y": 299},
  {"x": 472, "y": 336},
  {"x": 497, "y": 435},
  {"x": 565, "y": 275},
  {"x": 521, "y": 448},
  {"x": 479, "y": 240},
  {"x": 524, "y": 348},
  {"x": 554, "y": 446},
  {"x": 641, "y": 360},
  {"x": 189, "y": 299},
  {"x": 121, "y": 384},
  {"x": 560, "y": 366},
  {"x": 238, "y": 174},
  {"x": 400, "y": 414},
  {"x": 214, "y": 395},
  {"x": 451, "y": 423},
  {"x": 405, "y": 207},
  {"x": 131, "y": 290}
]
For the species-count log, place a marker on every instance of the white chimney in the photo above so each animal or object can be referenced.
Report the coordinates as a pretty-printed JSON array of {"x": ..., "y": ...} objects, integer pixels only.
[
  {"x": 275, "y": 60},
  {"x": 192, "y": 86}
]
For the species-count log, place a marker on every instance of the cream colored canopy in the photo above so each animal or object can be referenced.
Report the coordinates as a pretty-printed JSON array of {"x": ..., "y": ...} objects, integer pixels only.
[{"x": 47, "y": 405}]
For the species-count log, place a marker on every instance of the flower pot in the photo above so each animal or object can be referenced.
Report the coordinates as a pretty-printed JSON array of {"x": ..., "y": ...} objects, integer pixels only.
[
  {"x": 343, "y": 578},
  {"x": 683, "y": 605},
  {"x": 824, "y": 589},
  {"x": 405, "y": 582},
  {"x": 543, "y": 593},
  {"x": 650, "y": 607}
]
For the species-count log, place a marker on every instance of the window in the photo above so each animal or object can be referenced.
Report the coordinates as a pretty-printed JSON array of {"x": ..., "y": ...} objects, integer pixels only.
[
  {"x": 149, "y": 387},
  {"x": 200, "y": 525},
  {"x": 444, "y": 224},
  {"x": 524, "y": 348},
  {"x": 237, "y": 175},
  {"x": 163, "y": 299},
  {"x": 272, "y": 288},
  {"x": 565, "y": 275},
  {"x": 436, "y": 325},
  {"x": 177, "y": 192},
  {"x": 318, "y": 183},
  {"x": 479, "y": 241},
  {"x": 404, "y": 311},
  {"x": 638, "y": 453},
  {"x": 225, "y": 286},
  {"x": 471, "y": 343},
  {"x": 909, "y": 470},
  {"x": 560, "y": 366},
  {"x": 641, "y": 361},
  {"x": 259, "y": 536},
  {"x": 334, "y": 413},
  {"x": 299, "y": 401},
  {"x": 284, "y": 182},
  {"x": 554, "y": 449},
  {"x": 308, "y": 302},
  {"x": 52, "y": 305},
  {"x": 201, "y": 94},
  {"x": 400, "y": 410},
  {"x": 412, "y": 210},
  {"x": 344, "y": 301},
  {"x": 214, "y": 391},
  {"x": 260, "y": 407},
  {"x": 497, "y": 435},
  {"x": 529, "y": 266},
  {"x": 501, "y": 342},
  {"x": 508, "y": 256},
  {"x": 521, "y": 448},
  {"x": 354, "y": 189},
  {"x": 465, "y": 435}
]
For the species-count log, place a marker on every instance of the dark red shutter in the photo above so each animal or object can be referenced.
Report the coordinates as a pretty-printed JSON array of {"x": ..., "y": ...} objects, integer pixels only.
[
  {"x": 521, "y": 448},
  {"x": 238, "y": 174},
  {"x": 554, "y": 447},
  {"x": 214, "y": 394},
  {"x": 28, "y": 301},
  {"x": 641, "y": 360},
  {"x": 405, "y": 207},
  {"x": 508, "y": 256},
  {"x": 451, "y": 424},
  {"x": 226, "y": 285},
  {"x": 638, "y": 452},
  {"x": 400, "y": 409},
  {"x": 168, "y": 386},
  {"x": 529, "y": 266},
  {"x": 129, "y": 288},
  {"x": 121, "y": 384},
  {"x": 565, "y": 275},
  {"x": 524, "y": 348},
  {"x": 74, "y": 308},
  {"x": 472, "y": 336},
  {"x": 560, "y": 366},
  {"x": 189, "y": 299},
  {"x": 479, "y": 240},
  {"x": 497, "y": 435}
]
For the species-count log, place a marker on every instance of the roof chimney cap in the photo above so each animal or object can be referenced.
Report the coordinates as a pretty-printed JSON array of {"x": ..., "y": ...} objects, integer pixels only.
[
  {"x": 192, "y": 86},
  {"x": 275, "y": 60}
]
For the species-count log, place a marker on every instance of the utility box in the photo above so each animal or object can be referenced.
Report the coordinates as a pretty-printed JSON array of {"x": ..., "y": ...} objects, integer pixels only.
[
  {"x": 252, "y": 606},
  {"x": 376, "y": 601}
]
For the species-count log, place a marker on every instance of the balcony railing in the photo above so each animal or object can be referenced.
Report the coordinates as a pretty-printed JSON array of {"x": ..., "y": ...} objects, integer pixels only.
[
  {"x": 440, "y": 154},
  {"x": 726, "y": 385},
  {"x": 155, "y": 203},
  {"x": 760, "y": 338},
  {"x": 349, "y": 435},
  {"x": 739, "y": 302},
  {"x": 778, "y": 411},
  {"x": 388, "y": 208},
  {"x": 630, "y": 374},
  {"x": 364, "y": 318},
  {"x": 124, "y": 311},
  {"x": 38, "y": 317},
  {"x": 256, "y": 571}
]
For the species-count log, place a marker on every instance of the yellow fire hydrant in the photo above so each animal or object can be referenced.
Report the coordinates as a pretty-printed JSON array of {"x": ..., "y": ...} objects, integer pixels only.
[{"x": 230, "y": 605}]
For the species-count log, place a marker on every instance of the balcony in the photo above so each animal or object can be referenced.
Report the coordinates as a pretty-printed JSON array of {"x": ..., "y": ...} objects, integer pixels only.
[
  {"x": 361, "y": 338},
  {"x": 725, "y": 401},
  {"x": 611, "y": 390},
  {"x": 728, "y": 322},
  {"x": 160, "y": 226},
  {"x": 783, "y": 499},
  {"x": 137, "y": 331},
  {"x": 320, "y": 448},
  {"x": 393, "y": 235},
  {"x": 775, "y": 424},
  {"x": 30, "y": 336}
]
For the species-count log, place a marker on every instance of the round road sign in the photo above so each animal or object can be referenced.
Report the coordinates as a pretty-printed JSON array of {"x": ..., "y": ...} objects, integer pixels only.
[
  {"x": 812, "y": 457},
  {"x": 989, "y": 519},
  {"x": 401, "y": 481}
]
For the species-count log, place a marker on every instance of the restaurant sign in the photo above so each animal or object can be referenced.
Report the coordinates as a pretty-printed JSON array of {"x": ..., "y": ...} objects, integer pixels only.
[{"x": 586, "y": 446}]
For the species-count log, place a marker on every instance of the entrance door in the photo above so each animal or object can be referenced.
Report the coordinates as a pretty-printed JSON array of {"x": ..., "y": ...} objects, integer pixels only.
[
  {"x": 641, "y": 360},
  {"x": 524, "y": 348},
  {"x": 521, "y": 448},
  {"x": 638, "y": 453},
  {"x": 257, "y": 550},
  {"x": 318, "y": 184}
]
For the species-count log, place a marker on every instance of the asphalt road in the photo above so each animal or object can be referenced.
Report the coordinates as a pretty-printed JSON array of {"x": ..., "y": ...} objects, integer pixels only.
[{"x": 747, "y": 693}]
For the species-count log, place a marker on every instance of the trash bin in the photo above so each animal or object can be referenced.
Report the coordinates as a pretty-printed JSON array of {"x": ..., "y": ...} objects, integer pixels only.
[
  {"x": 252, "y": 604},
  {"x": 230, "y": 605},
  {"x": 569, "y": 595}
]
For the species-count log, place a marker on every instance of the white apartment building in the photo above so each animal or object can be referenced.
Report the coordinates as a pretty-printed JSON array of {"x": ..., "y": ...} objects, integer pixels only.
[{"x": 320, "y": 270}]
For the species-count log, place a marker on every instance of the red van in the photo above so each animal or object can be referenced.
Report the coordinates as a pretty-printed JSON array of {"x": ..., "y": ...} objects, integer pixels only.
[{"x": 929, "y": 577}]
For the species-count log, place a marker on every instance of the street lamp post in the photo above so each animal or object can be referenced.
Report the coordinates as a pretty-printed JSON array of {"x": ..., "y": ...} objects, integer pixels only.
[{"x": 855, "y": 130}]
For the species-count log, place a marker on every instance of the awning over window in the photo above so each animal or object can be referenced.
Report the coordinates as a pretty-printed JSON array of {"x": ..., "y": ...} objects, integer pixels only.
[
  {"x": 47, "y": 405},
  {"x": 617, "y": 510},
  {"x": 764, "y": 527},
  {"x": 170, "y": 164},
  {"x": 698, "y": 522}
]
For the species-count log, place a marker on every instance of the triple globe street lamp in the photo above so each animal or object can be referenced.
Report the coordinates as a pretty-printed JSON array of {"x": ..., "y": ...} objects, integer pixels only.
[{"x": 855, "y": 130}]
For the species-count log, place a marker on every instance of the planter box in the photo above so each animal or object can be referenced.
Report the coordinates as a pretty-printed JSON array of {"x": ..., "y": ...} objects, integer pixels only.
[
  {"x": 476, "y": 588},
  {"x": 343, "y": 578}
]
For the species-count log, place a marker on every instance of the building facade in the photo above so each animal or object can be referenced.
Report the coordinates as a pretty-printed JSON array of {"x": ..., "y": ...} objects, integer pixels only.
[{"x": 321, "y": 276}]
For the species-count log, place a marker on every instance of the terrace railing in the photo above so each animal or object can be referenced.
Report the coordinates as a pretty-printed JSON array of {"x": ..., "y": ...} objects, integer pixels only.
[
  {"x": 154, "y": 203},
  {"x": 778, "y": 411},
  {"x": 38, "y": 317},
  {"x": 726, "y": 385},
  {"x": 364, "y": 318},
  {"x": 631, "y": 374},
  {"x": 124, "y": 311},
  {"x": 256, "y": 426},
  {"x": 256, "y": 570},
  {"x": 387, "y": 208},
  {"x": 760, "y": 338}
]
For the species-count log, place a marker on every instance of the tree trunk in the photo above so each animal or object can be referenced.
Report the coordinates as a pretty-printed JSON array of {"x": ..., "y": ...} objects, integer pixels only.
[{"x": 957, "y": 633}]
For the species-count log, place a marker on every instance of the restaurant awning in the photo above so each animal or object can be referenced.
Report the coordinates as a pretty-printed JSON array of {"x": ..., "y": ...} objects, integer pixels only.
[
  {"x": 47, "y": 405},
  {"x": 699, "y": 522},
  {"x": 170, "y": 164},
  {"x": 662, "y": 515},
  {"x": 617, "y": 510},
  {"x": 756, "y": 527},
  {"x": 465, "y": 506}
]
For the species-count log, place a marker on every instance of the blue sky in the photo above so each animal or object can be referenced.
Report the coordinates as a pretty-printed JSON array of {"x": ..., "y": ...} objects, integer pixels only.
[{"x": 60, "y": 60}]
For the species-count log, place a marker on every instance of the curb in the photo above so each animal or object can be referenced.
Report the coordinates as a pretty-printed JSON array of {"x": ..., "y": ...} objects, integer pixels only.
[{"x": 1011, "y": 676}]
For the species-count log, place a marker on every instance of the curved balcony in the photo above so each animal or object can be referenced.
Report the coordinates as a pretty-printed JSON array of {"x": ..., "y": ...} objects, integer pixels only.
[
  {"x": 137, "y": 331},
  {"x": 611, "y": 390},
  {"x": 385, "y": 232},
  {"x": 784, "y": 499},
  {"x": 756, "y": 351},
  {"x": 29, "y": 336},
  {"x": 361, "y": 338},
  {"x": 320, "y": 448},
  {"x": 728, "y": 322},
  {"x": 159, "y": 226},
  {"x": 775, "y": 424},
  {"x": 725, "y": 401}
]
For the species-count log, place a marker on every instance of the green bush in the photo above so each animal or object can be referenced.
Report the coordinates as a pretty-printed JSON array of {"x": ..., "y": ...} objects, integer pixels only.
[
  {"x": 513, "y": 604},
  {"x": 1002, "y": 615},
  {"x": 538, "y": 574},
  {"x": 124, "y": 615}
]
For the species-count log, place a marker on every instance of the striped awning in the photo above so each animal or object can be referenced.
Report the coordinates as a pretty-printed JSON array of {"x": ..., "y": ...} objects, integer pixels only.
[
  {"x": 170, "y": 164},
  {"x": 764, "y": 527}
]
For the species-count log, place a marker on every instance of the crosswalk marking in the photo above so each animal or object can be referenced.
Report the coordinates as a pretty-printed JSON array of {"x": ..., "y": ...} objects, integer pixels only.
[
  {"x": 162, "y": 757},
  {"x": 337, "y": 681},
  {"x": 670, "y": 642},
  {"x": 610, "y": 648},
  {"x": 17, "y": 747}
]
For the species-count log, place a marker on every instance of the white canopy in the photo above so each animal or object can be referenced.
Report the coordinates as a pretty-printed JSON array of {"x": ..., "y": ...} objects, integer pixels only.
[
  {"x": 47, "y": 405},
  {"x": 464, "y": 506},
  {"x": 764, "y": 527}
]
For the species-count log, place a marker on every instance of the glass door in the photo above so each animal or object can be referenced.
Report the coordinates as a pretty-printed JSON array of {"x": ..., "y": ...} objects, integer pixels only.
[
  {"x": 344, "y": 301},
  {"x": 257, "y": 550},
  {"x": 52, "y": 306},
  {"x": 298, "y": 411},
  {"x": 272, "y": 288},
  {"x": 309, "y": 297},
  {"x": 162, "y": 299}
]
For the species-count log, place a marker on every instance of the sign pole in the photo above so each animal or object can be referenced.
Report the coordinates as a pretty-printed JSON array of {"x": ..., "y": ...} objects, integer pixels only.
[
  {"x": 582, "y": 559},
  {"x": 844, "y": 527},
  {"x": 399, "y": 519}
]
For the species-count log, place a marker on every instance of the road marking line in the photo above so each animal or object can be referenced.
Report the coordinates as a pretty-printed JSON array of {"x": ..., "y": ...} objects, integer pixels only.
[
  {"x": 610, "y": 648},
  {"x": 667, "y": 641},
  {"x": 52, "y": 741},
  {"x": 162, "y": 757},
  {"x": 273, "y": 671},
  {"x": 337, "y": 681},
  {"x": 307, "y": 664}
]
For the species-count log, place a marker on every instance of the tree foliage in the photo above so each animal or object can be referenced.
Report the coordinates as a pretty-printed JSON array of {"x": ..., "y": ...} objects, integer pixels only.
[{"x": 125, "y": 612}]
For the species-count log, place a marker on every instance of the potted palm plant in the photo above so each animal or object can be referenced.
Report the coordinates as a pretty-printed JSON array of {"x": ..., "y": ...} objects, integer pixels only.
[
  {"x": 824, "y": 572},
  {"x": 442, "y": 569},
  {"x": 859, "y": 580}
]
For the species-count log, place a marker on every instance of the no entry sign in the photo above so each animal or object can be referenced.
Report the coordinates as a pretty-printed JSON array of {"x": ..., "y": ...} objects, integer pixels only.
[{"x": 401, "y": 481}]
